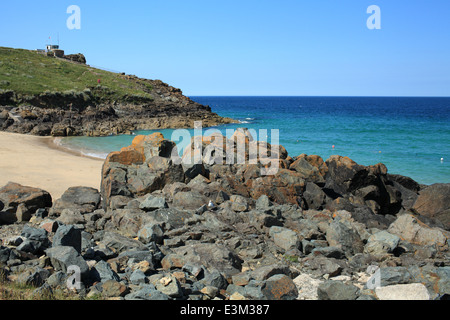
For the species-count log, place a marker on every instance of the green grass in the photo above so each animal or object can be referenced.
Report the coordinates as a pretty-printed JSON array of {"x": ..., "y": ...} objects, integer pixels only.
[{"x": 29, "y": 73}]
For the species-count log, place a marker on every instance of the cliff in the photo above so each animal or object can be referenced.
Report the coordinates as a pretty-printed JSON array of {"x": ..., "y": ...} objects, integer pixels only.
[{"x": 43, "y": 95}]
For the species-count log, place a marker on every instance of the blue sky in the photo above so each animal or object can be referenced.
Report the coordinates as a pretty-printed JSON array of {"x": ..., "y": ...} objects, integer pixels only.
[{"x": 251, "y": 47}]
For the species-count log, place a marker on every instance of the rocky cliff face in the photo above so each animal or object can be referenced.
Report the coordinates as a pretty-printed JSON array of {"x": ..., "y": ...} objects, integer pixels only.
[{"x": 93, "y": 112}]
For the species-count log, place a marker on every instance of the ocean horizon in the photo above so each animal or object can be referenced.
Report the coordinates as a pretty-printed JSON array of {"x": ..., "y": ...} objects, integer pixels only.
[{"x": 410, "y": 135}]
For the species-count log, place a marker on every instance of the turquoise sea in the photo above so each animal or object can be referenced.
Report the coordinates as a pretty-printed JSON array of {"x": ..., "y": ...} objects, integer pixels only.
[{"x": 411, "y": 136}]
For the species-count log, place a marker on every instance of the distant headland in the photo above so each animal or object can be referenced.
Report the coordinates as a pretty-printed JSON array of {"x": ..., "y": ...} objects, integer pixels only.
[{"x": 48, "y": 93}]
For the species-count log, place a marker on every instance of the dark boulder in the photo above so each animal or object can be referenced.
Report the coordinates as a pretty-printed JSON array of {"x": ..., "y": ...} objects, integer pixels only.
[
  {"x": 84, "y": 199},
  {"x": 29, "y": 199},
  {"x": 434, "y": 202}
]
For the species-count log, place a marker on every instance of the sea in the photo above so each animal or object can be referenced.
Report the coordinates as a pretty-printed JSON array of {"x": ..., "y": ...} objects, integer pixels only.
[{"x": 410, "y": 135}]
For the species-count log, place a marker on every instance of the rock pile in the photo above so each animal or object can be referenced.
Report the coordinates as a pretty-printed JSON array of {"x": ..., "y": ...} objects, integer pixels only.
[{"x": 161, "y": 228}]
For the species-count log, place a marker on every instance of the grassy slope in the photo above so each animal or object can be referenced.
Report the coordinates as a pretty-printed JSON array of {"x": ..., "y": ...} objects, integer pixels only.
[{"x": 29, "y": 73}]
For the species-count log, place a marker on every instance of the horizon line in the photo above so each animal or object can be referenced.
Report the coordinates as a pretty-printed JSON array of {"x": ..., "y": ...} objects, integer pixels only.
[{"x": 314, "y": 96}]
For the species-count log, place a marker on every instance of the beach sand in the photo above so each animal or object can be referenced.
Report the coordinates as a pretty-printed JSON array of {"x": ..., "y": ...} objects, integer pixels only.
[{"x": 38, "y": 162}]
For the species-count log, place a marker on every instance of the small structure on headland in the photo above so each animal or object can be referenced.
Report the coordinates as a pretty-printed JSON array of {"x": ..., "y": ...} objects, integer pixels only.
[{"x": 53, "y": 50}]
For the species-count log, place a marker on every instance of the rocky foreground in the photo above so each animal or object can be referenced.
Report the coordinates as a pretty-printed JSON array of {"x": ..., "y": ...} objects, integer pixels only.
[{"x": 159, "y": 230}]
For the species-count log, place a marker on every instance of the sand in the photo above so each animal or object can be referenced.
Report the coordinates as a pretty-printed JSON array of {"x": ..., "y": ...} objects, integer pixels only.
[{"x": 38, "y": 162}]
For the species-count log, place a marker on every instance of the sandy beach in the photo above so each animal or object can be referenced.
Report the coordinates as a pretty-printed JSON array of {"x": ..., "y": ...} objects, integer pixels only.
[{"x": 37, "y": 162}]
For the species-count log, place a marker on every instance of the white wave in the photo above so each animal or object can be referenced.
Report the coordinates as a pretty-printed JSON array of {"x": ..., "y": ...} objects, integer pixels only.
[
  {"x": 87, "y": 153},
  {"x": 95, "y": 155}
]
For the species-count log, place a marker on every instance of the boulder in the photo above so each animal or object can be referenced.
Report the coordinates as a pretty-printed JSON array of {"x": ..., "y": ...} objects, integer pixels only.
[
  {"x": 14, "y": 195},
  {"x": 395, "y": 275},
  {"x": 63, "y": 257},
  {"x": 307, "y": 287},
  {"x": 83, "y": 199},
  {"x": 285, "y": 186},
  {"x": 151, "y": 232},
  {"x": 102, "y": 271},
  {"x": 265, "y": 272},
  {"x": 211, "y": 255},
  {"x": 152, "y": 203},
  {"x": 33, "y": 276},
  {"x": 381, "y": 243},
  {"x": 113, "y": 289},
  {"x": 189, "y": 200},
  {"x": 411, "y": 229},
  {"x": 146, "y": 292},
  {"x": 434, "y": 202},
  {"x": 141, "y": 168},
  {"x": 279, "y": 287},
  {"x": 312, "y": 168},
  {"x": 71, "y": 217},
  {"x": 68, "y": 235},
  {"x": 343, "y": 234},
  {"x": 120, "y": 243},
  {"x": 343, "y": 175},
  {"x": 36, "y": 240},
  {"x": 285, "y": 238},
  {"x": 411, "y": 291},
  {"x": 169, "y": 286},
  {"x": 337, "y": 290},
  {"x": 314, "y": 197}
]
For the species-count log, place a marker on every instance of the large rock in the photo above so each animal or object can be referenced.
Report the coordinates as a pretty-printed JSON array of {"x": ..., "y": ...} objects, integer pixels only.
[
  {"x": 141, "y": 168},
  {"x": 280, "y": 287},
  {"x": 434, "y": 202},
  {"x": 102, "y": 271},
  {"x": 36, "y": 240},
  {"x": 286, "y": 186},
  {"x": 189, "y": 200},
  {"x": 120, "y": 243},
  {"x": 33, "y": 276},
  {"x": 285, "y": 238},
  {"x": 314, "y": 196},
  {"x": 68, "y": 235},
  {"x": 381, "y": 243},
  {"x": 411, "y": 229},
  {"x": 312, "y": 168},
  {"x": 307, "y": 287},
  {"x": 211, "y": 255},
  {"x": 412, "y": 291},
  {"x": 152, "y": 203},
  {"x": 27, "y": 200},
  {"x": 363, "y": 185},
  {"x": 83, "y": 199},
  {"x": 344, "y": 174},
  {"x": 343, "y": 234},
  {"x": 63, "y": 257},
  {"x": 337, "y": 290}
]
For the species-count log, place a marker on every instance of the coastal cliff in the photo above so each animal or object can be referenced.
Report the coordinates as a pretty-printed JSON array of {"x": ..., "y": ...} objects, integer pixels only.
[{"x": 44, "y": 96}]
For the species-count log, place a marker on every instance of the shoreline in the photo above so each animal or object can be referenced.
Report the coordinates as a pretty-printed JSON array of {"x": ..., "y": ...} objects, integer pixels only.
[
  {"x": 39, "y": 162},
  {"x": 53, "y": 144}
]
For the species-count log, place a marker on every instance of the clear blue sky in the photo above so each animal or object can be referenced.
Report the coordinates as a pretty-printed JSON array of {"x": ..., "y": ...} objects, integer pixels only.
[{"x": 251, "y": 47}]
